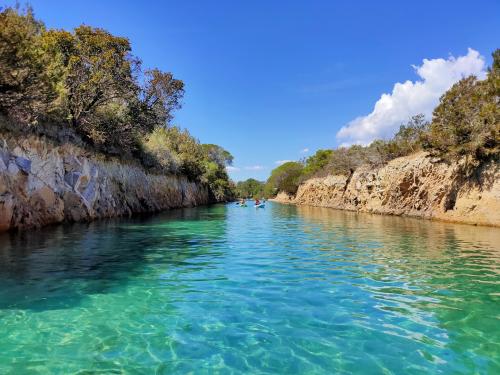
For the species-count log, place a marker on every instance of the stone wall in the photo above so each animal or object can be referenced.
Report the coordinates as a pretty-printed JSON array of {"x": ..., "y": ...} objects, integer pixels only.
[
  {"x": 416, "y": 185},
  {"x": 42, "y": 183}
]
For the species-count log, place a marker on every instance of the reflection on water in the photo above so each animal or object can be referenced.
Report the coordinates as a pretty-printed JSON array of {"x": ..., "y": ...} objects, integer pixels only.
[
  {"x": 450, "y": 271},
  {"x": 228, "y": 289}
]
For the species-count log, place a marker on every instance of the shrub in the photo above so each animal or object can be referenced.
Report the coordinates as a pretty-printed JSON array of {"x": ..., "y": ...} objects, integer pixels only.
[
  {"x": 86, "y": 81},
  {"x": 157, "y": 152},
  {"x": 285, "y": 178},
  {"x": 316, "y": 163},
  {"x": 26, "y": 91},
  {"x": 250, "y": 188},
  {"x": 466, "y": 123},
  {"x": 215, "y": 175}
]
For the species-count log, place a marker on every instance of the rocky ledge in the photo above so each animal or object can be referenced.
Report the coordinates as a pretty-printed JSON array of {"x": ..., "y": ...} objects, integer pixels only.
[
  {"x": 417, "y": 185},
  {"x": 42, "y": 183}
]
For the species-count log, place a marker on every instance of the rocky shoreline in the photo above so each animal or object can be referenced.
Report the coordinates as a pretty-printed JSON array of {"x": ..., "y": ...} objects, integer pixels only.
[
  {"x": 44, "y": 182},
  {"x": 415, "y": 186}
]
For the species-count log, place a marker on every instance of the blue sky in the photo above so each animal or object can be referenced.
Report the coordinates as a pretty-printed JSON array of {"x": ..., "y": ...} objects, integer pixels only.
[{"x": 269, "y": 79}]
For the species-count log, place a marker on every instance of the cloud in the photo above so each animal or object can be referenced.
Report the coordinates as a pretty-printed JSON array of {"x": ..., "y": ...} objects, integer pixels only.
[
  {"x": 280, "y": 162},
  {"x": 232, "y": 169},
  {"x": 410, "y": 98},
  {"x": 305, "y": 150},
  {"x": 254, "y": 168}
]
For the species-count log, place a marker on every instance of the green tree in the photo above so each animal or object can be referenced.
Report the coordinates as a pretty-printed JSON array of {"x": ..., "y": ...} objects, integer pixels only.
[
  {"x": 26, "y": 91},
  {"x": 218, "y": 155},
  {"x": 316, "y": 162},
  {"x": 98, "y": 69},
  {"x": 160, "y": 96},
  {"x": 285, "y": 178},
  {"x": 250, "y": 188},
  {"x": 410, "y": 135},
  {"x": 215, "y": 175},
  {"x": 466, "y": 123}
]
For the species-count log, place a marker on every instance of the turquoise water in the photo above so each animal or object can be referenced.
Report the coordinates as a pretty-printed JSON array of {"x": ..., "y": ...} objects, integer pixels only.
[{"x": 225, "y": 289}]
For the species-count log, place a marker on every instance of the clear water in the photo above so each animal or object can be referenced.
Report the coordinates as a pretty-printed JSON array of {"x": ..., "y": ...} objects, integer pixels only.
[{"x": 227, "y": 290}]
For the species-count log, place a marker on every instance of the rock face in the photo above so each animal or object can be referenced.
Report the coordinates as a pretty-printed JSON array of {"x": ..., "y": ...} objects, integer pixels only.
[
  {"x": 416, "y": 185},
  {"x": 43, "y": 183}
]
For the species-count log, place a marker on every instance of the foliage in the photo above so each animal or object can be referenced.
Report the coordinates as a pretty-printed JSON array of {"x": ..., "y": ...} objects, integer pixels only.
[
  {"x": 215, "y": 175},
  {"x": 410, "y": 136},
  {"x": 87, "y": 80},
  {"x": 175, "y": 151},
  {"x": 316, "y": 163},
  {"x": 97, "y": 70},
  {"x": 160, "y": 96},
  {"x": 217, "y": 154},
  {"x": 285, "y": 178},
  {"x": 466, "y": 123},
  {"x": 25, "y": 88},
  {"x": 250, "y": 188}
]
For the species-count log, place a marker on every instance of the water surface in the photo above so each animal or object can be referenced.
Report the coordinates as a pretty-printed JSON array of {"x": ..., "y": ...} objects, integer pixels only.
[{"x": 225, "y": 289}]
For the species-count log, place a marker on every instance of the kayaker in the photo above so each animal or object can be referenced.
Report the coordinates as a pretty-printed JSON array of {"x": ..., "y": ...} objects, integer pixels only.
[{"x": 257, "y": 202}]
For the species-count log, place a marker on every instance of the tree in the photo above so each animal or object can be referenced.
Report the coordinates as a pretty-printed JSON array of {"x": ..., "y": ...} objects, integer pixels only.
[
  {"x": 316, "y": 163},
  {"x": 286, "y": 177},
  {"x": 159, "y": 97},
  {"x": 466, "y": 123},
  {"x": 215, "y": 175},
  {"x": 26, "y": 91},
  {"x": 99, "y": 70},
  {"x": 218, "y": 155},
  {"x": 410, "y": 135},
  {"x": 250, "y": 188}
]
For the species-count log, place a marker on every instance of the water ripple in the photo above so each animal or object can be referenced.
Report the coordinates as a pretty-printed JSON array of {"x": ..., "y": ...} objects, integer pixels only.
[{"x": 231, "y": 290}]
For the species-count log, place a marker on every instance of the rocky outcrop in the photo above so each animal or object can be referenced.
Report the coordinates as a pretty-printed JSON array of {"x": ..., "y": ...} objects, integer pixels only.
[
  {"x": 416, "y": 185},
  {"x": 43, "y": 183}
]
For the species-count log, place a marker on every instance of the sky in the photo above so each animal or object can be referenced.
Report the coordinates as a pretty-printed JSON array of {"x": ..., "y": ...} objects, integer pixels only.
[{"x": 273, "y": 81}]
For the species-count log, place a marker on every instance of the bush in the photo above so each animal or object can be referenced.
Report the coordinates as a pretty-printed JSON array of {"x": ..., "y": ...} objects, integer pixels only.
[
  {"x": 26, "y": 91},
  {"x": 87, "y": 81},
  {"x": 156, "y": 152},
  {"x": 285, "y": 178},
  {"x": 250, "y": 188},
  {"x": 215, "y": 175},
  {"x": 466, "y": 123},
  {"x": 175, "y": 151},
  {"x": 316, "y": 163}
]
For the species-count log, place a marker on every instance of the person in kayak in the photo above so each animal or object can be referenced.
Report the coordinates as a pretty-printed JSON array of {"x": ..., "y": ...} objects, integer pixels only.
[{"x": 257, "y": 202}]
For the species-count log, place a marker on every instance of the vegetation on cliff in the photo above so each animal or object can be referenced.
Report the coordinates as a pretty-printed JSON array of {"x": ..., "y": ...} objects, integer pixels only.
[
  {"x": 88, "y": 82},
  {"x": 465, "y": 126},
  {"x": 250, "y": 188}
]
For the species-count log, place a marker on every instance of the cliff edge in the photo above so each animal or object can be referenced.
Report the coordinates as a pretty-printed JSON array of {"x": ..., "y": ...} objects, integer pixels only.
[
  {"x": 416, "y": 185},
  {"x": 42, "y": 183}
]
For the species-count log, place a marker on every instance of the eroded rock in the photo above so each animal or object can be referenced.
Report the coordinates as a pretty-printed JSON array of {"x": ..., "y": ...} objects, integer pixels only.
[
  {"x": 416, "y": 185},
  {"x": 43, "y": 183}
]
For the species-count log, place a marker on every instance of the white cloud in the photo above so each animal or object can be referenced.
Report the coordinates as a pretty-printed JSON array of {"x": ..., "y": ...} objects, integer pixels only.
[
  {"x": 280, "y": 162},
  {"x": 410, "y": 98},
  {"x": 232, "y": 169},
  {"x": 254, "y": 168},
  {"x": 305, "y": 150}
]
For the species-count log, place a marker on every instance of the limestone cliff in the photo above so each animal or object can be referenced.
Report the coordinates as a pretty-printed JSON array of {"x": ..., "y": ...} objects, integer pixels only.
[
  {"x": 416, "y": 185},
  {"x": 42, "y": 182}
]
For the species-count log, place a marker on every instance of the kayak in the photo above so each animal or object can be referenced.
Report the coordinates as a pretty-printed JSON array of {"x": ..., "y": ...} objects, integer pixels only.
[
  {"x": 262, "y": 205},
  {"x": 243, "y": 205}
]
